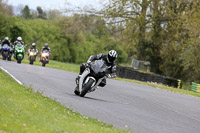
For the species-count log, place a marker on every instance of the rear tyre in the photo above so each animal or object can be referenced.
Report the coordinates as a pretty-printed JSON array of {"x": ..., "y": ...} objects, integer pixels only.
[{"x": 87, "y": 87}]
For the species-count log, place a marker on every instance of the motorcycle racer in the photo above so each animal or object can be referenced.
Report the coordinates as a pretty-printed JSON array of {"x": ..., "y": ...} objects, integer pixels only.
[
  {"x": 33, "y": 47},
  {"x": 19, "y": 39},
  {"x": 109, "y": 60},
  {"x": 6, "y": 41}
]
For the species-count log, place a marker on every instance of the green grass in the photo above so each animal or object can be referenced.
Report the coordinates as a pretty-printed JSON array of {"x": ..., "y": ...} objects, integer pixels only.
[
  {"x": 25, "y": 111},
  {"x": 56, "y": 64}
]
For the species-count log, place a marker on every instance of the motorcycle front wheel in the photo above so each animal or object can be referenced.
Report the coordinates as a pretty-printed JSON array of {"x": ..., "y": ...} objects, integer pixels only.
[
  {"x": 44, "y": 62},
  {"x": 31, "y": 60},
  {"x": 87, "y": 87},
  {"x": 19, "y": 60}
]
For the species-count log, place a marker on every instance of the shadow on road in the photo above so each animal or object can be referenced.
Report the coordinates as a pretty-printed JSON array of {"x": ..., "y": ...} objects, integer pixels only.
[{"x": 90, "y": 98}]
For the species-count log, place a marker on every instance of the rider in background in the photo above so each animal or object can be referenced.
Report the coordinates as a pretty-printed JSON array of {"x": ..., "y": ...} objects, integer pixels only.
[
  {"x": 19, "y": 39},
  {"x": 46, "y": 47},
  {"x": 33, "y": 47},
  {"x": 6, "y": 41},
  {"x": 109, "y": 60}
]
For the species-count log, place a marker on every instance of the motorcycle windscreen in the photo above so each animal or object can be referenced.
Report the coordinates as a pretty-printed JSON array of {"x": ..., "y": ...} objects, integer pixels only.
[
  {"x": 6, "y": 47},
  {"x": 99, "y": 66},
  {"x": 45, "y": 51},
  {"x": 19, "y": 45}
]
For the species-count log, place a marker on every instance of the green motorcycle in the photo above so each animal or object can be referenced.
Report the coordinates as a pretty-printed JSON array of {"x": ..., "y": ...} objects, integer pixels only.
[{"x": 19, "y": 52}]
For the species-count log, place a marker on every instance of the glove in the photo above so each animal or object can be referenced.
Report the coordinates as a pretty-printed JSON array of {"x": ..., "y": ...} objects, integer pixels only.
[
  {"x": 111, "y": 75},
  {"x": 88, "y": 62},
  {"x": 87, "y": 65}
]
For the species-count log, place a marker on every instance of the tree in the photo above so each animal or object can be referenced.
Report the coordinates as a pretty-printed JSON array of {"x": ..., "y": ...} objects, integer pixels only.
[
  {"x": 54, "y": 14},
  {"x": 25, "y": 13},
  {"x": 5, "y": 8},
  {"x": 15, "y": 32},
  {"x": 41, "y": 13},
  {"x": 191, "y": 42},
  {"x": 139, "y": 18},
  {"x": 3, "y": 26}
]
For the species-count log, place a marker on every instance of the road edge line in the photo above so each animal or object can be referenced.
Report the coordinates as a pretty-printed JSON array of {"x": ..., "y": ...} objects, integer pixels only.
[{"x": 19, "y": 82}]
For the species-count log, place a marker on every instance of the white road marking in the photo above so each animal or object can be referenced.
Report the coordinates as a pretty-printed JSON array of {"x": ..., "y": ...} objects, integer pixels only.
[{"x": 19, "y": 82}]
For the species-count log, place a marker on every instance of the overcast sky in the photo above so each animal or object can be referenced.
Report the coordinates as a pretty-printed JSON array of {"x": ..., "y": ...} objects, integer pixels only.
[{"x": 56, "y": 4}]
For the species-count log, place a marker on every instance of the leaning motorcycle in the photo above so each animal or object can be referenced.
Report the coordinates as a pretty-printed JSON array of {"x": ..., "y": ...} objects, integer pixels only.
[
  {"x": 91, "y": 78},
  {"x": 32, "y": 56},
  {"x": 19, "y": 52},
  {"x": 6, "y": 53},
  {"x": 44, "y": 57}
]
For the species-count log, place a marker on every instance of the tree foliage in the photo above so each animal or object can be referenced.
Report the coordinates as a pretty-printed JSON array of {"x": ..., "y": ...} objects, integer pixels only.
[
  {"x": 72, "y": 39},
  {"x": 26, "y": 12},
  {"x": 41, "y": 13},
  {"x": 165, "y": 33},
  {"x": 5, "y": 8}
]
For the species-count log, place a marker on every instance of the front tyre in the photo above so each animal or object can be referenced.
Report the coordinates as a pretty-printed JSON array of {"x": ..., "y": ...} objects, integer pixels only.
[
  {"x": 44, "y": 62},
  {"x": 19, "y": 60},
  {"x": 9, "y": 58},
  {"x": 31, "y": 61},
  {"x": 87, "y": 87},
  {"x": 4, "y": 58},
  {"x": 76, "y": 91}
]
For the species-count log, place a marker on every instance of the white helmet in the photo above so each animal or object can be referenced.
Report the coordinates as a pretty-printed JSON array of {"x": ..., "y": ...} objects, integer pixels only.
[
  {"x": 6, "y": 38},
  {"x": 33, "y": 44},
  {"x": 112, "y": 55},
  {"x": 19, "y": 38}
]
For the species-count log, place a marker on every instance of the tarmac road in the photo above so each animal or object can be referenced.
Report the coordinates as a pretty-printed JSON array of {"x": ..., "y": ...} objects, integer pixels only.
[{"x": 140, "y": 108}]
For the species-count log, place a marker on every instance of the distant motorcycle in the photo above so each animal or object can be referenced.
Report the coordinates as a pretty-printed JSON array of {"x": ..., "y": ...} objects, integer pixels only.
[
  {"x": 44, "y": 57},
  {"x": 91, "y": 78},
  {"x": 32, "y": 56},
  {"x": 19, "y": 52},
  {"x": 6, "y": 52}
]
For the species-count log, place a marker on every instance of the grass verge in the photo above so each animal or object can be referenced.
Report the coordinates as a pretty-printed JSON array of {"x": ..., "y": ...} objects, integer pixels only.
[
  {"x": 56, "y": 64},
  {"x": 22, "y": 110},
  {"x": 176, "y": 90}
]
